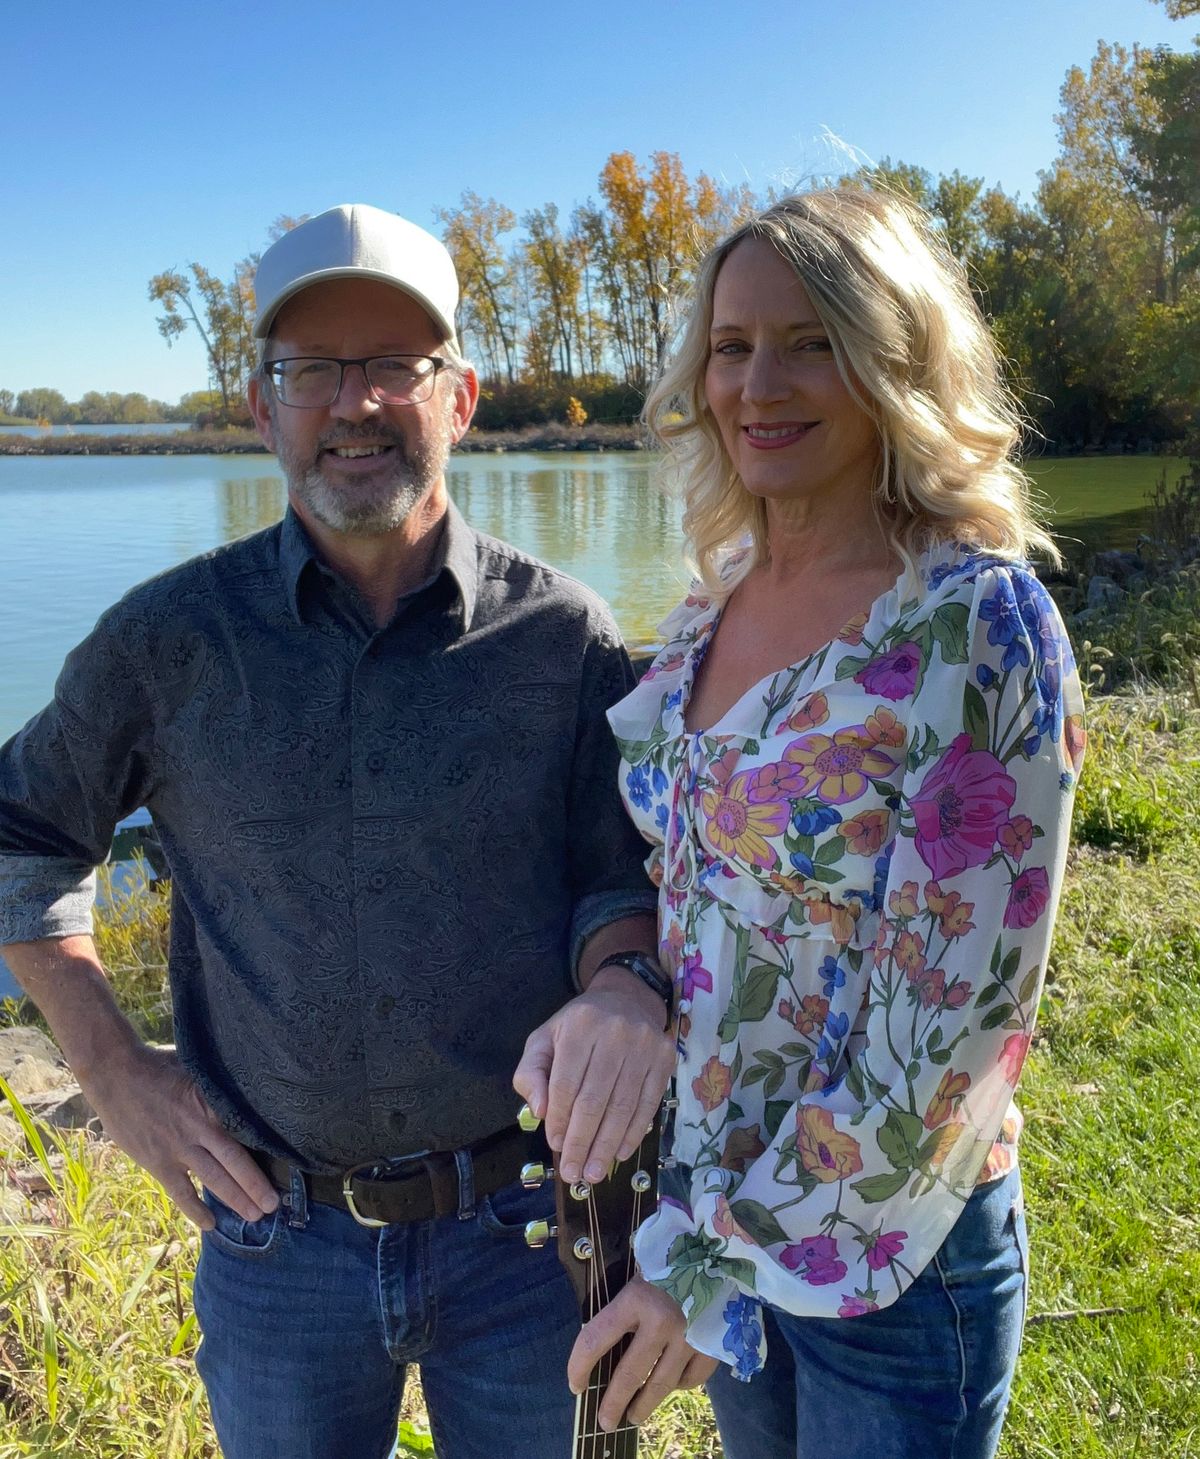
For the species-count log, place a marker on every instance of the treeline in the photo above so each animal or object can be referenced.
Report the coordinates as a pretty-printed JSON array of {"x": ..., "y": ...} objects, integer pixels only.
[
  {"x": 1092, "y": 287},
  {"x": 100, "y": 408}
]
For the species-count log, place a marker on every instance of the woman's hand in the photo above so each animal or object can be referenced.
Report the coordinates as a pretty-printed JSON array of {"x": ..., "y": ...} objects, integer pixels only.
[{"x": 658, "y": 1360}]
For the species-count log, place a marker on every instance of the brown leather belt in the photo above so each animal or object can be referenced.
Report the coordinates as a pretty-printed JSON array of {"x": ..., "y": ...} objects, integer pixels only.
[{"x": 417, "y": 1187}]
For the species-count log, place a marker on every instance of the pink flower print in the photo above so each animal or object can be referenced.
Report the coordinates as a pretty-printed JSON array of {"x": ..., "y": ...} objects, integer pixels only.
[
  {"x": 856, "y": 1306},
  {"x": 723, "y": 1222},
  {"x": 958, "y": 995},
  {"x": 808, "y": 714},
  {"x": 1016, "y": 836},
  {"x": 853, "y": 631},
  {"x": 866, "y": 832},
  {"x": 894, "y": 674},
  {"x": 955, "y": 917},
  {"x": 693, "y": 975},
  {"x": 668, "y": 666},
  {"x": 884, "y": 1248},
  {"x": 930, "y": 985},
  {"x": 724, "y": 766},
  {"x": 960, "y": 806},
  {"x": 903, "y": 903},
  {"x": 837, "y": 769},
  {"x": 909, "y": 953},
  {"x": 1012, "y": 1056},
  {"x": 1027, "y": 898},
  {"x": 1074, "y": 740},
  {"x": 773, "y": 782},
  {"x": 817, "y": 1258},
  {"x": 811, "y": 1014}
]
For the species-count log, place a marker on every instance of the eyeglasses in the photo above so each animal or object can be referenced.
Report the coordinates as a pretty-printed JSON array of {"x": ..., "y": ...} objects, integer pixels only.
[{"x": 310, "y": 383}]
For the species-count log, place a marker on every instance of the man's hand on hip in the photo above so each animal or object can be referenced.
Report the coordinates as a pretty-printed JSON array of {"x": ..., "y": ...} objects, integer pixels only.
[
  {"x": 150, "y": 1106},
  {"x": 595, "y": 1073}
]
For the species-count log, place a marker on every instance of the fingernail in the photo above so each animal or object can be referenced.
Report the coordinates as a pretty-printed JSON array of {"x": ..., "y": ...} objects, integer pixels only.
[{"x": 594, "y": 1171}]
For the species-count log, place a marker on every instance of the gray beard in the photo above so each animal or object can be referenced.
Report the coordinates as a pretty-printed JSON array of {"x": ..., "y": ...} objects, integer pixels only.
[{"x": 371, "y": 508}]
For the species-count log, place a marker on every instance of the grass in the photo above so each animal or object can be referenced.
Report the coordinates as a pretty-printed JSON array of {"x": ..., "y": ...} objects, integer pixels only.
[{"x": 96, "y": 1333}]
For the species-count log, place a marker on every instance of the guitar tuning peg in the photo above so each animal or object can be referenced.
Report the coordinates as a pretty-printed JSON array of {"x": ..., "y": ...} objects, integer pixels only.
[
  {"x": 535, "y": 1174},
  {"x": 527, "y": 1120},
  {"x": 668, "y": 1162},
  {"x": 640, "y": 1181},
  {"x": 670, "y": 1102},
  {"x": 537, "y": 1233}
]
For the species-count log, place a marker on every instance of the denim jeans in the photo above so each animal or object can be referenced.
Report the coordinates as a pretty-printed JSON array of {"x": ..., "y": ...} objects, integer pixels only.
[
  {"x": 309, "y": 1322},
  {"x": 926, "y": 1378}
]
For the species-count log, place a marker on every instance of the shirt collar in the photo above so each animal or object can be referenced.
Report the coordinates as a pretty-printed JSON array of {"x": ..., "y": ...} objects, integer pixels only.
[{"x": 457, "y": 555}]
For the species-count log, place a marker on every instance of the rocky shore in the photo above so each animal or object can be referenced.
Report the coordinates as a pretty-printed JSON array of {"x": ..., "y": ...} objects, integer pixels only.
[{"x": 552, "y": 436}]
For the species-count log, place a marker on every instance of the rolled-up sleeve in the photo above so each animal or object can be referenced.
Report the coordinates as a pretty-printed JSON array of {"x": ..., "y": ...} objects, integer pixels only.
[
  {"x": 607, "y": 855},
  {"x": 66, "y": 779}
]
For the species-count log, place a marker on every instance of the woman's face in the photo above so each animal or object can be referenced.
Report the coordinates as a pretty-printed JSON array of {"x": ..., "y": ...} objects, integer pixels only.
[{"x": 791, "y": 427}]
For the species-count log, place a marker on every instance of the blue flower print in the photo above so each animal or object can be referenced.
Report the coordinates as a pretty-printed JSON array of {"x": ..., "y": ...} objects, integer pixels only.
[
  {"x": 837, "y": 1026},
  {"x": 986, "y": 676},
  {"x": 810, "y": 817},
  {"x": 833, "y": 975},
  {"x": 661, "y": 816},
  {"x": 674, "y": 700},
  {"x": 1003, "y": 613},
  {"x": 637, "y": 783},
  {"x": 743, "y": 1337},
  {"x": 803, "y": 864},
  {"x": 658, "y": 780}
]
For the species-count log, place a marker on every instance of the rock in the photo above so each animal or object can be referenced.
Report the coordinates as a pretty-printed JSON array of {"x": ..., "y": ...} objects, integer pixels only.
[
  {"x": 1102, "y": 592},
  {"x": 38, "y": 1076},
  {"x": 30, "y": 1062}
]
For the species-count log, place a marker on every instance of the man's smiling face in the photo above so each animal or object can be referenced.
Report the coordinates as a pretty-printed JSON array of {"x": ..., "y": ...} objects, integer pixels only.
[{"x": 356, "y": 465}]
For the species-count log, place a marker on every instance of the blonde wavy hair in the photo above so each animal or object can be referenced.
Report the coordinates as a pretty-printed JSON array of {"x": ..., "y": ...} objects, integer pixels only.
[{"x": 914, "y": 351}]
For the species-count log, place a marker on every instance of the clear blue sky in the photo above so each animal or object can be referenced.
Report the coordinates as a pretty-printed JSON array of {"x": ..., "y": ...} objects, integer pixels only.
[{"x": 139, "y": 136}]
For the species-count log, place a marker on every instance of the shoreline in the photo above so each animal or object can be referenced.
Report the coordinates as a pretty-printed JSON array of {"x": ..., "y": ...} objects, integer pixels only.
[{"x": 553, "y": 436}]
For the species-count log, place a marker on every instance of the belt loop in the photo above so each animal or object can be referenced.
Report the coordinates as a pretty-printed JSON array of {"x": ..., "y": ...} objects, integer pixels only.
[
  {"x": 466, "y": 1185},
  {"x": 297, "y": 1200}
]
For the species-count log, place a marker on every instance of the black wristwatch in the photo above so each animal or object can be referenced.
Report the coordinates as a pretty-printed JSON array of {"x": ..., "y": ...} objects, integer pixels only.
[{"x": 643, "y": 966}]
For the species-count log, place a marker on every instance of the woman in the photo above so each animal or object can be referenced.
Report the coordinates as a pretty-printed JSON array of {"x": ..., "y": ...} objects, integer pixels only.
[{"x": 855, "y": 757}]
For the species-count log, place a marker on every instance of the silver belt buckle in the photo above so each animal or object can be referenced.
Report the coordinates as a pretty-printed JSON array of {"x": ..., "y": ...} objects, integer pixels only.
[{"x": 348, "y": 1193}]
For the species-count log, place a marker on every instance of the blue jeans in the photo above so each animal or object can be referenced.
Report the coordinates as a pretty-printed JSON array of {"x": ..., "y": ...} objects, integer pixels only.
[
  {"x": 926, "y": 1378},
  {"x": 309, "y": 1322}
]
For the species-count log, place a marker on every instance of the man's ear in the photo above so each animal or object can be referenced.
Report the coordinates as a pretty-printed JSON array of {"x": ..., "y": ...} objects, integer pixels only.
[
  {"x": 256, "y": 399},
  {"x": 466, "y": 397}
]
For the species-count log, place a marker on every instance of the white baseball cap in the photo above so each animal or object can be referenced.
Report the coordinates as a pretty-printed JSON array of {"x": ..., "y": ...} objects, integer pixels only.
[{"x": 356, "y": 241}]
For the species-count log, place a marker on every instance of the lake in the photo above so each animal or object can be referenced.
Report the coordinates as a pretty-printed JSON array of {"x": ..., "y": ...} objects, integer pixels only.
[
  {"x": 145, "y": 428},
  {"x": 76, "y": 532}
]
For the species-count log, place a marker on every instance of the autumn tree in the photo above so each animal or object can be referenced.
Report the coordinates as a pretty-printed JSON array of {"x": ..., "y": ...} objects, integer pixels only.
[
  {"x": 222, "y": 314},
  {"x": 487, "y": 279}
]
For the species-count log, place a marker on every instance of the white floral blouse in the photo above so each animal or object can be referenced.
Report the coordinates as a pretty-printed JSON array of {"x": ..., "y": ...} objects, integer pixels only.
[{"x": 858, "y": 869}]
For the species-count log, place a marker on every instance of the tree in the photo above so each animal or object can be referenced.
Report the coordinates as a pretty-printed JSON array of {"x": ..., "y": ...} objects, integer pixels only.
[
  {"x": 8, "y": 402},
  {"x": 486, "y": 278},
  {"x": 45, "y": 404},
  {"x": 222, "y": 313},
  {"x": 554, "y": 273}
]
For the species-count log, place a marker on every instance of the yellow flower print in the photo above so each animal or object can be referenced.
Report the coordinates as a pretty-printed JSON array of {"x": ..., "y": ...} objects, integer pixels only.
[
  {"x": 866, "y": 832},
  {"x": 713, "y": 1085},
  {"x": 808, "y": 714},
  {"x": 885, "y": 729},
  {"x": 903, "y": 903},
  {"x": 853, "y": 631},
  {"x": 837, "y": 769},
  {"x": 738, "y": 828},
  {"x": 949, "y": 1092},
  {"x": 824, "y": 1151},
  {"x": 840, "y": 919}
]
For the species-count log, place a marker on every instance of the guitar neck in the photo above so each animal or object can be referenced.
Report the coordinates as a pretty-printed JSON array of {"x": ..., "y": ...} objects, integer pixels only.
[{"x": 591, "y": 1441}]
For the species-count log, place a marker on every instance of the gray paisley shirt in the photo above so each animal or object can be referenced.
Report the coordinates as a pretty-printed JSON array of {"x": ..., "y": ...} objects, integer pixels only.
[{"x": 385, "y": 846}]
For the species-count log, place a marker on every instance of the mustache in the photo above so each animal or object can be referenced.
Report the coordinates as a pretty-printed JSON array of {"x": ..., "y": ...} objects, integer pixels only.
[{"x": 370, "y": 435}]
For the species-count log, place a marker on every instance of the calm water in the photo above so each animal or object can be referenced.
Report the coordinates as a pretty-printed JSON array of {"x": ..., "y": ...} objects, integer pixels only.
[{"x": 75, "y": 533}]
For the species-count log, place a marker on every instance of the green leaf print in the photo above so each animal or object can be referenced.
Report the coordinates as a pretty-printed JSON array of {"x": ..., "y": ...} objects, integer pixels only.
[
  {"x": 880, "y": 1187},
  {"x": 899, "y": 1136},
  {"x": 773, "y": 1113},
  {"x": 994, "y": 1017},
  {"x": 741, "y": 1271},
  {"x": 757, "y": 996},
  {"x": 1028, "y": 984},
  {"x": 849, "y": 666},
  {"x": 975, "y": 717},
  {"x": 757, "y": 1222},
  {"x": 950, "y": 630}
]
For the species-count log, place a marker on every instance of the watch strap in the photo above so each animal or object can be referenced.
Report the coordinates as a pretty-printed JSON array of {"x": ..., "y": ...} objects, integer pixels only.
[{"x": 643, "y": 966}]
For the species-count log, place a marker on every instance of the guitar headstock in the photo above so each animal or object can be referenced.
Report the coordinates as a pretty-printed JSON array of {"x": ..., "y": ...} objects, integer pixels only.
[{"x": 594, "y": 1224}]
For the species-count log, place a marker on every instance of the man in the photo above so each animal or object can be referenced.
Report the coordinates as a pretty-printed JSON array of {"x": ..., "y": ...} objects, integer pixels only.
[{"x": 373, "y": 743}]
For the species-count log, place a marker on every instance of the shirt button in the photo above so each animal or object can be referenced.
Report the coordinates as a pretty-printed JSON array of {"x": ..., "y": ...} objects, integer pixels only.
[
  {"x": 376, "y": 763},
  {"x": 385, "y": 1005},
  {"x": 377, "y": 881}
]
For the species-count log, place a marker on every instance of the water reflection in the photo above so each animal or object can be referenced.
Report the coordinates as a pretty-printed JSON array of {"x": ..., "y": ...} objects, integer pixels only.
[{"x": 250, "y": 503}]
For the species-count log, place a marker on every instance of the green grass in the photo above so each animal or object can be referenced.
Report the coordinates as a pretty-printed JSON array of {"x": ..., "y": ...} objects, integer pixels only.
[
  {"x": 1100, "y": 501},
  {"x": 96, "y": 1336}
]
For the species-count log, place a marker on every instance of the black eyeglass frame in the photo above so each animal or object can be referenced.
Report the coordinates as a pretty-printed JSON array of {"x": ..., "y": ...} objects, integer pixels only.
[{"x": 439, "y": 362}]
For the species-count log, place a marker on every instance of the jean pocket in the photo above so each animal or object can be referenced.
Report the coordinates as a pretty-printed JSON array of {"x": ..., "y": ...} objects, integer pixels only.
[
  {"x": 509, "y": 1210},
  {"x": 239, "y": 1237}
]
